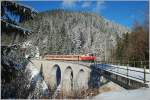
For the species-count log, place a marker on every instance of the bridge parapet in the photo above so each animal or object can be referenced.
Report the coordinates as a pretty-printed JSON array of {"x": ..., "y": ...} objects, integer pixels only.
[{"x": 125, "y": 76}]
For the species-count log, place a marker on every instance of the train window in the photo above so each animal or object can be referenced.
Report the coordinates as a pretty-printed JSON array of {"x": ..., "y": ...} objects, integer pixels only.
[
  {"x": 69, "y": 56},
  {"x": 91, "y": 54}
]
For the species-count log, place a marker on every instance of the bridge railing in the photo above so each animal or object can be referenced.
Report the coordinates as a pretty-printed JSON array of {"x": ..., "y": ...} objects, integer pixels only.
[
  {"x": 138, "y": 64},
  {"x": 126, "y": 69}
]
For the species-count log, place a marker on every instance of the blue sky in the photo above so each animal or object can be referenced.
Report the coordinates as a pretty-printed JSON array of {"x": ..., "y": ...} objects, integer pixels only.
[{"x": 122, "y": 12}]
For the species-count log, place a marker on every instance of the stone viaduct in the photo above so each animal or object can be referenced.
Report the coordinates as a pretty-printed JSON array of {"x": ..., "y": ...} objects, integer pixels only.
[{"x": 66, "y": 75}]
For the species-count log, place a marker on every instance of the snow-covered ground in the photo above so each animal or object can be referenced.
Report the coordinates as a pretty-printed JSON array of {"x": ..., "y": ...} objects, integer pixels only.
[
  {"x": 138, "y": 94},
  {"x": 116, "y": 92},
  {"x": 57, "y": 90},
  {"x": 137, "y": 75}
]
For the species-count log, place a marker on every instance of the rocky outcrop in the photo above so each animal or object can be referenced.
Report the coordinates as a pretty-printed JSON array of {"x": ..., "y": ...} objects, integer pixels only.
[{"x": 19, "y": 77}]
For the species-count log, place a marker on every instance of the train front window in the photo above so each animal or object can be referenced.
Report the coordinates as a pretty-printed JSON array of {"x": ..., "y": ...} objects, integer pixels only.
[{"x": 91, "y": 54}]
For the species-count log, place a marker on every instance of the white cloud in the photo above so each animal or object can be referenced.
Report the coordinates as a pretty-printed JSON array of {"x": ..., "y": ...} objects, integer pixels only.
[
  {"x": 68, "y": 3},
  {"x": 86, "y": 4},
  {"x": 99, "y": 6},
  {"x": 71, "y": 4}
]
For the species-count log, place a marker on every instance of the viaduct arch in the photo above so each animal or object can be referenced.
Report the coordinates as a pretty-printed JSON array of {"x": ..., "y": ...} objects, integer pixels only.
[{"x": 55, "y": 75}]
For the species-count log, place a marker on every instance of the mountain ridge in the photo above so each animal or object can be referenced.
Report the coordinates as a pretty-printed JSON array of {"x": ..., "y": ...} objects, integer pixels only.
[{"x": 73, "y": 33}]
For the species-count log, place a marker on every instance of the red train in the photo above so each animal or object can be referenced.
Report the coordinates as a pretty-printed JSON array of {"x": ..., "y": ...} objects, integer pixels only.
[{"x": 88, "y": 57}]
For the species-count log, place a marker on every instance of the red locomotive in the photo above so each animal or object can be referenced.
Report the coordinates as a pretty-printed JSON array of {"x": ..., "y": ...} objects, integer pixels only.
[{"x": 88, "y": 57}]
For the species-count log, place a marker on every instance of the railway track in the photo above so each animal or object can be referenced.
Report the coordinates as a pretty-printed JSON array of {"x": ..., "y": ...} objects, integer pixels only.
[{"x": 87, "y": 64}]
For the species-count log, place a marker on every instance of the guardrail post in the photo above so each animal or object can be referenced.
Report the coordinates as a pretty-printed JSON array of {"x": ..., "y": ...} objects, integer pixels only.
[
  {"x": 144, "y": 74},
  {"x": 127, "y": 70},
  {"x": 141, "y": 64},
  {"x": 118, "y": 67},
  {"x": 128, "y": 73}
]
